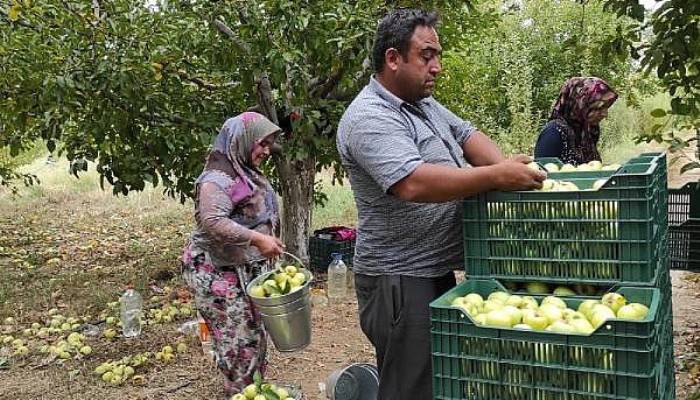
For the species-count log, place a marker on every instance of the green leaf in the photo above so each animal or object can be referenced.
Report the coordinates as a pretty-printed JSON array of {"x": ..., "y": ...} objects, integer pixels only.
[
  {"x": 658, "y": 113},
  {"x": 257, "y": 378},
  {"x": 270, "y": 394}
]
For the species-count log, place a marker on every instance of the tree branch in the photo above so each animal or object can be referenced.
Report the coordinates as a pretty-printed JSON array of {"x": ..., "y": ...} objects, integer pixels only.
[
  {"x": 223, "y": 28},
  {"x": 206, "y": 85},
  {"x": 331, "y": 83},
  {"x": 264, "y": 96},
  {"x": 361, "y": 75}
]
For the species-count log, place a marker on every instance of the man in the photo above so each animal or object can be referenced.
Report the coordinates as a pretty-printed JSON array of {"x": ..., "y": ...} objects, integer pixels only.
[{"x": 407, "y": 160}]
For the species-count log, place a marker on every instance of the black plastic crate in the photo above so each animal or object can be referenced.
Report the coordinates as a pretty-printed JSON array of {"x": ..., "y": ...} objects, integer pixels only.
[
  {"x": 683, "y": 204},
  {"x": 684, "y": 245},
  {"x": 321, "y": 250}
]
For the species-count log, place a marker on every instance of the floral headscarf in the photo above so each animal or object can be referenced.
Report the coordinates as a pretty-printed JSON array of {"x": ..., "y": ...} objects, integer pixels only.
[
  {"x": 577, "y": 98},
  {"x": 229, "y": 165}
]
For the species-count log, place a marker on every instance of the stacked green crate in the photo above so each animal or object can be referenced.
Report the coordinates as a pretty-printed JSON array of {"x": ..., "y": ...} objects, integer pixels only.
[
  {"x": 607, "y": 238},
  {"x": 619, "y": 360},
  {"x": 598, "y": 237}
]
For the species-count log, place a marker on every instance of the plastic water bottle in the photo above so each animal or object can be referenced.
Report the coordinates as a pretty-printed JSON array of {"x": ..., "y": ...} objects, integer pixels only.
[
  {"x": 337, "y": 278},
  {"x": 131, "y": 303}
]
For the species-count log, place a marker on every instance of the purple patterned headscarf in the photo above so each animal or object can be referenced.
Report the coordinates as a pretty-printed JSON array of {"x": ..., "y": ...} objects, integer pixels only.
[
  {"x": 230, "y": 166},
  {"x": 578, "y": 97}
]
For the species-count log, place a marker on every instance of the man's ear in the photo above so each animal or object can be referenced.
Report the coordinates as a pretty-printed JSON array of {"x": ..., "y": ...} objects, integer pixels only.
[{"x": 392, "y": 58}]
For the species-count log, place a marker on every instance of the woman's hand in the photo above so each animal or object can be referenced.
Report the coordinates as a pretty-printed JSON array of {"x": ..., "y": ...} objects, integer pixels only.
[{"x": 268, "y": 246}]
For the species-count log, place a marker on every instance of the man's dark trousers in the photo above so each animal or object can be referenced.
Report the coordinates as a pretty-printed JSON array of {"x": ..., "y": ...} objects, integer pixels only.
[{"x": 395, "y": 316}]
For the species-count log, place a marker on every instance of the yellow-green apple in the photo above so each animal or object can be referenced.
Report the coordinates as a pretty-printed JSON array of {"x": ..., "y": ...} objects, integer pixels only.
[
  {"x": 499, "y": 319},
  {"x": 563, "y": 291},
  {"x": 499, "y": 296},
  {"x": 586, "y": 306},
  {"x": 515, "y": 314},
  {"x": 614, "y": 301},
  {"x": 633, "y": 311},
  {"x": 555, "y": 301},
  {"x": 551, "y": 312},
  {"x": 560, "y": 327},
  {"x": 535, "y": 320},
  {"x": 599, "y": 314}
]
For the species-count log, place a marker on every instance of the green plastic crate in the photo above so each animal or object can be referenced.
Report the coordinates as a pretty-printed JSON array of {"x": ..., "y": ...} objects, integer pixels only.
[
  {"x": 602, "y": 237},
  {"x": 321, "y": 250},
  {"x": 620, "y": 360},
  {"x": 661, "y": 282}
]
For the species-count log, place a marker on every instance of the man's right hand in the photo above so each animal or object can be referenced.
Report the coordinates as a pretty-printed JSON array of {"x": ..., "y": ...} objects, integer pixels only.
[
  {"x": 513, "y": 174},
  {"x": 268, "y": 246}
]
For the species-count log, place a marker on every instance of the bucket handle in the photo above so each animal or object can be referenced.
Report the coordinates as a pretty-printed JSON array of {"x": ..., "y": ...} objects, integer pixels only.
[{"x": 301, "y": 263}]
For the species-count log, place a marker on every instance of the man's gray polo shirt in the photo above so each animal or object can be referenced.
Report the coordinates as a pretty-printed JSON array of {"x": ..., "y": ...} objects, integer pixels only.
[{"x": 381, "y": 140}]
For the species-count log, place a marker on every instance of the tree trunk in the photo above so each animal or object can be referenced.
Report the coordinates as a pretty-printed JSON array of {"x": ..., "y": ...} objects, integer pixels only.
[
  {"x": 296, "y": 188},
  {"x": 296, "y": 184}
]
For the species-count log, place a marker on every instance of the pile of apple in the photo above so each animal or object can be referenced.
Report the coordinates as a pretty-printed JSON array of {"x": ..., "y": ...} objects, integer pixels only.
[
  {"x": 590, "y": 166},
  {"x": 503, "y": 310},
  {"x": 169, "y": 312},
  {"x": 262, "y": 391},
  {"x": 121, "y": 371},
  {"x": 283, "y": 280},
  {"x": 55, "y": 324},
  {"x": 72, "y": 346},
  {"x": 63, "y": 348},
  {"x": 541, "y": 288},
  {"x": 166, "y": 354},
  {"x": 555, "y": 185}
]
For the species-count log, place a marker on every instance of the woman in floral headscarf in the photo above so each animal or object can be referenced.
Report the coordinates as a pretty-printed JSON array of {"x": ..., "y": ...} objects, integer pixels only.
[
  {"x": 573, "y": 129},
  {"x": 236, "y": 212}
]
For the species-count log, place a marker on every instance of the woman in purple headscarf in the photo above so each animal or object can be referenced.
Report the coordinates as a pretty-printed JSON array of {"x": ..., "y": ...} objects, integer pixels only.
[
  {"x": 237, "y": 218},
  {"x": 573, "y": 130}
]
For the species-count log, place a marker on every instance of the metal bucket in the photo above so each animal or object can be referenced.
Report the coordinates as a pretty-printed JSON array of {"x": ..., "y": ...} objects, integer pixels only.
[
  {"x": 354, "y": 382},
  {"x": 287, "y": 318}
]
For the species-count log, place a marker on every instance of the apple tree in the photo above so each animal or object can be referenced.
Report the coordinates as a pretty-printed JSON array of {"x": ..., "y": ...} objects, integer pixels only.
[
  {"x": 141, "y": 88},
  {"x": 672, "y": 52}
]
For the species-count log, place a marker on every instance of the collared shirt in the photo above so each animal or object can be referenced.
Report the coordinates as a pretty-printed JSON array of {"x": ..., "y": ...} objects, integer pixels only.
[{"x": 381, "y": 140}]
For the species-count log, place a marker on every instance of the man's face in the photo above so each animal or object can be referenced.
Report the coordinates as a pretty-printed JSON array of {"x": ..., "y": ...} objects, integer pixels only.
[{"x": 416, "y": 72}]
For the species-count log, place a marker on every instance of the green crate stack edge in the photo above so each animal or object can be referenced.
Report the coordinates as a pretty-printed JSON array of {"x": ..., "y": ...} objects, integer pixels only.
[
  {"x": 630, "y": 207},
  {"x": 684, "y": 227},
  {"x": 320, "y": 251},
  {"x": 620, "y": 360},
  {"x": 522, "y": 236}
]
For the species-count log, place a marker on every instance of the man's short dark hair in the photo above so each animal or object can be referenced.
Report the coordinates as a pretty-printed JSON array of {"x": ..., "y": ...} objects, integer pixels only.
[{"x": 395, "y": 31}]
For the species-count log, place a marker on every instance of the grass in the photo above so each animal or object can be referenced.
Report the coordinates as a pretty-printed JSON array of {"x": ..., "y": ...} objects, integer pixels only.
[
  {"x": 340, "y": 208},
  {"x": 66, "y": 237}
]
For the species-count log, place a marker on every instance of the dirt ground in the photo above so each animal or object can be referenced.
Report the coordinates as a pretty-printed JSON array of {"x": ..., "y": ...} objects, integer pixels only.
[{"x": 337, "y": 341}]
